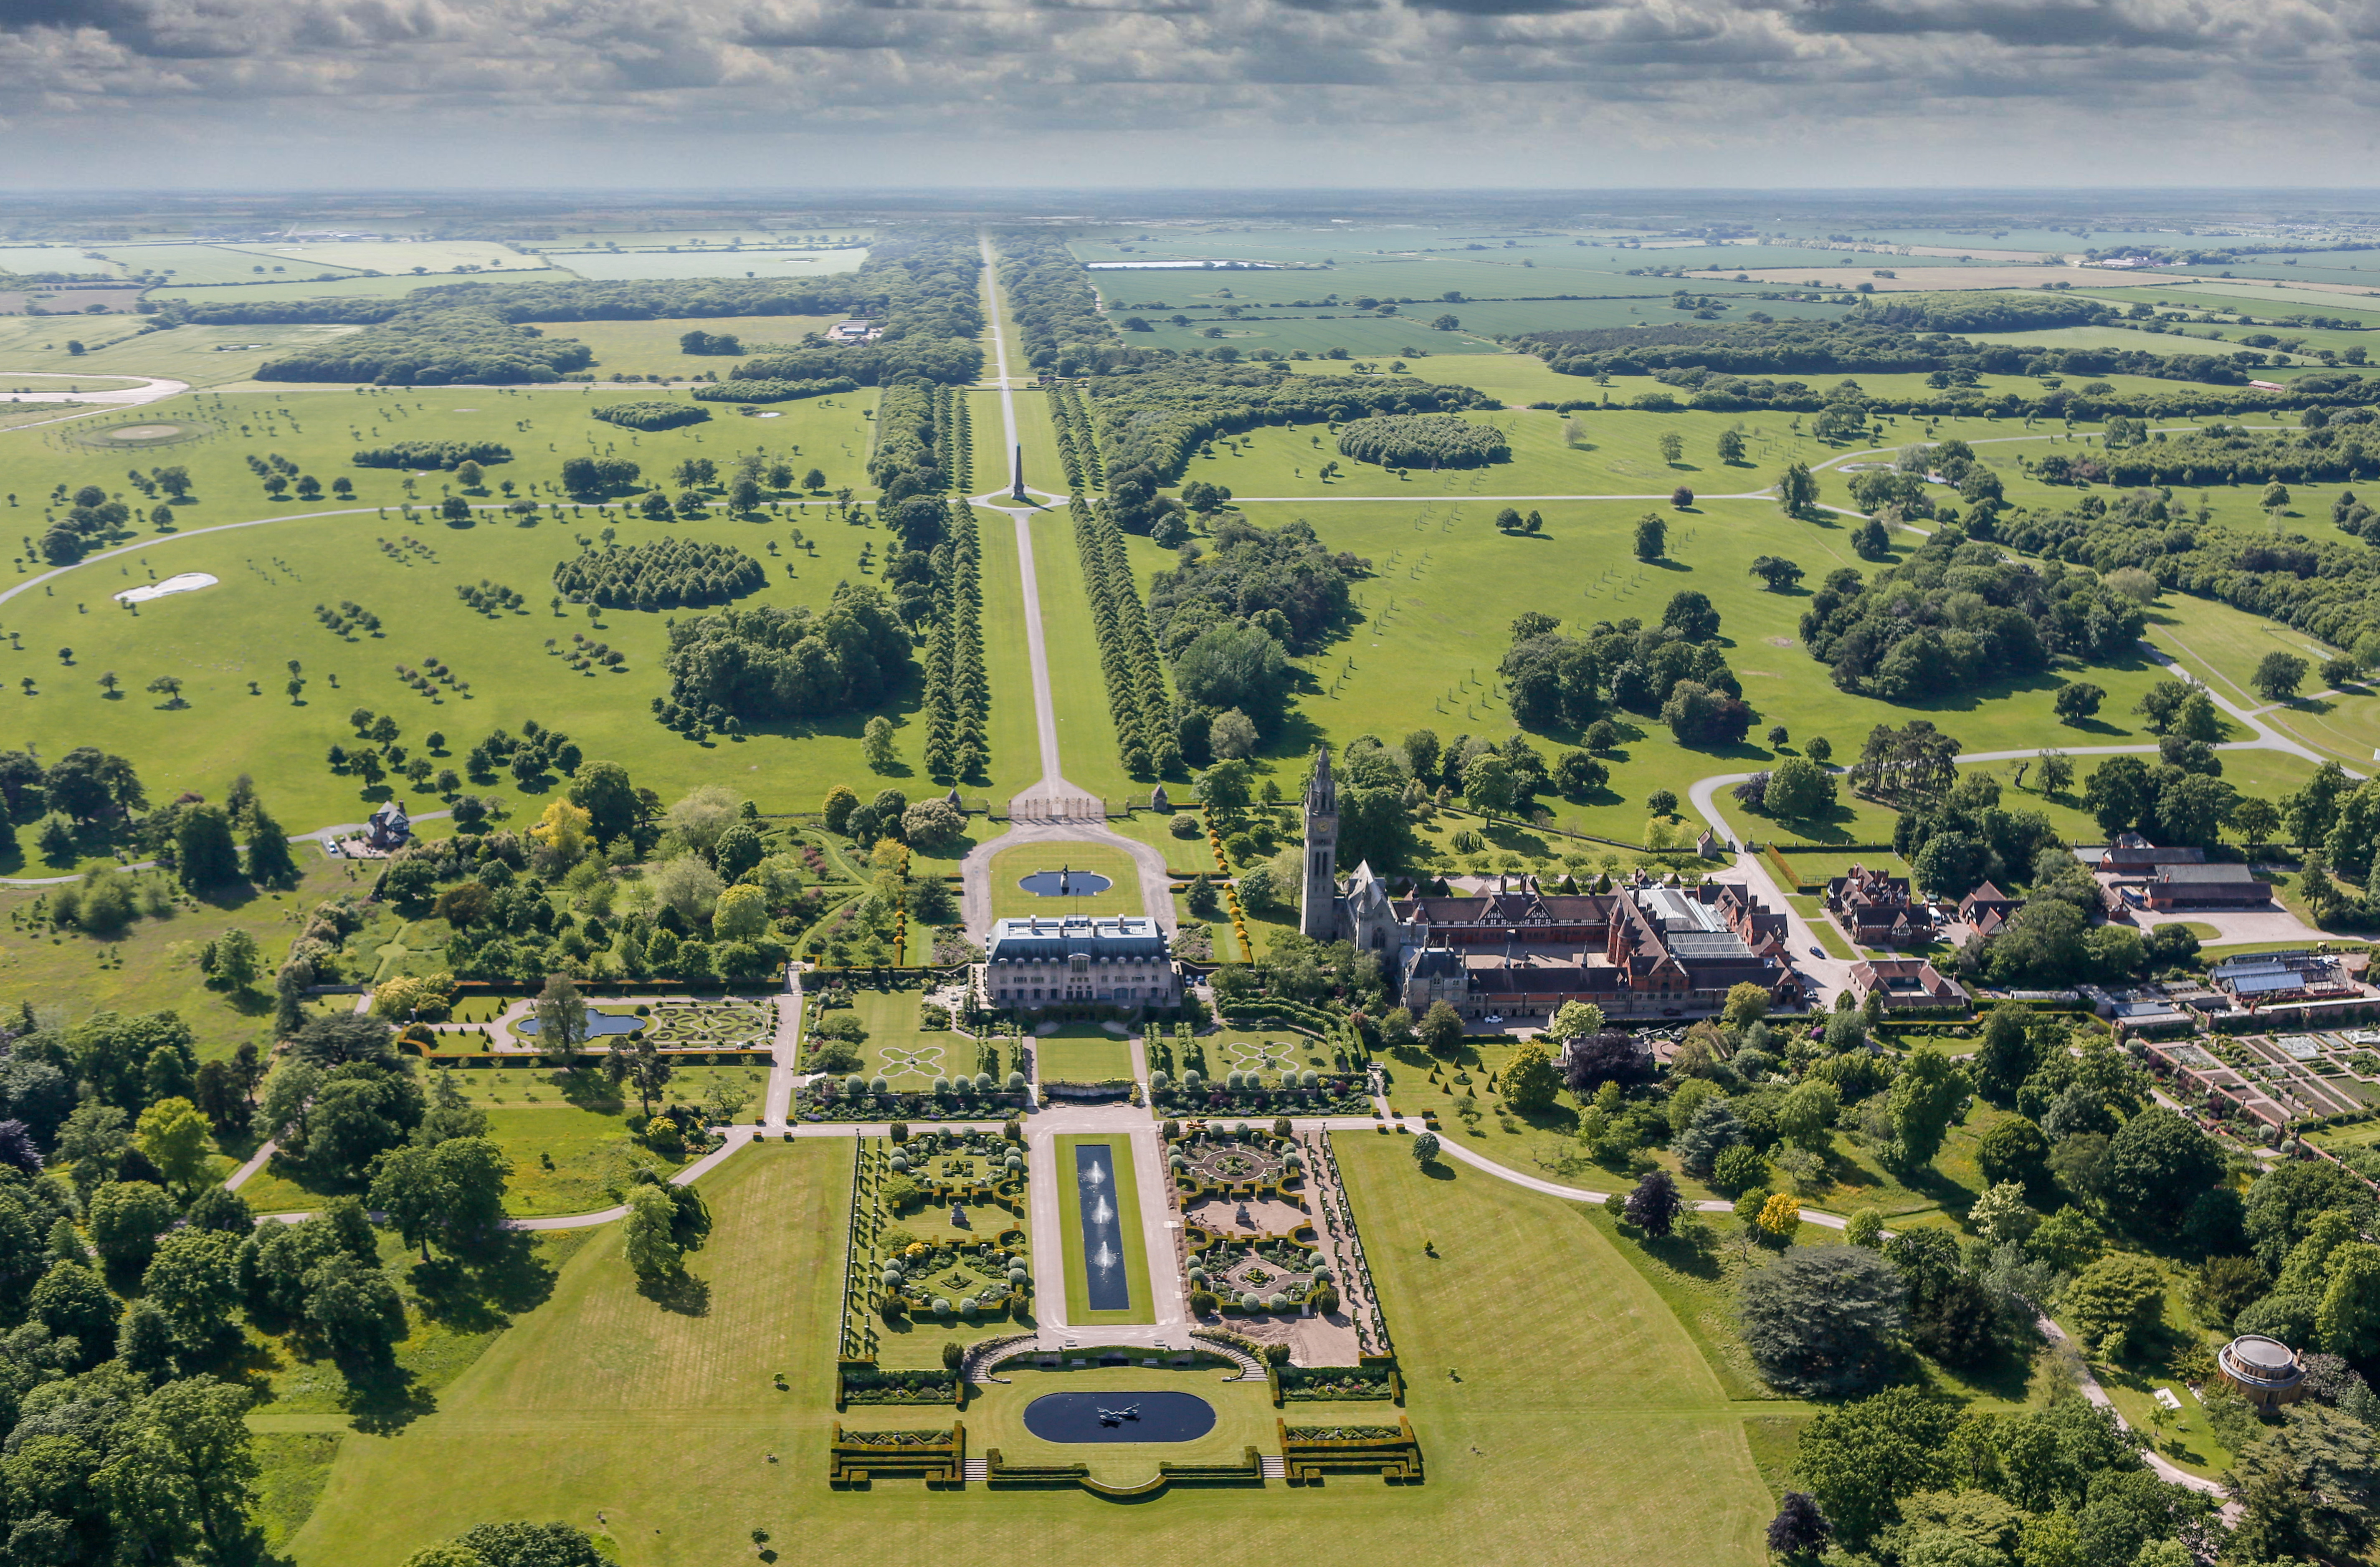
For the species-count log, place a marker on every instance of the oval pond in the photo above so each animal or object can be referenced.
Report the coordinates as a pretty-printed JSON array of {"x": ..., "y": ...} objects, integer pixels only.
[
  {"x": 1119, "y": 1417},
  {"x": 1065, "y": 884}
]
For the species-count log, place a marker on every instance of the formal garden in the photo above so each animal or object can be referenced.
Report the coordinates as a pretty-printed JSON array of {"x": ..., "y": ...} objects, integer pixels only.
[{"x": 938, "y": 1250}]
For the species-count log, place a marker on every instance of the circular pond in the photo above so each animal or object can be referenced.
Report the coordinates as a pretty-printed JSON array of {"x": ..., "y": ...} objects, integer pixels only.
[
  {"x": 1065, "y": 884},
  {"x": 1119, "y": 1417}
]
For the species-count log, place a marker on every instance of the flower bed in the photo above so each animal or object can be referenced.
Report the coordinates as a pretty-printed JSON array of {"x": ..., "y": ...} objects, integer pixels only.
[
  {"x": 865, "y": 1384},
  {"x": 1328, "y": 1382}
]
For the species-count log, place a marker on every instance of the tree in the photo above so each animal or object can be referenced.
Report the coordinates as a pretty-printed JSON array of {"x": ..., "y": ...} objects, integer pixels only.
[
  {"x": 1652, "y": 537},
  {"x": 1806, "y": 1117},
  {"x": 168, "y": 686},
  {"x": 560, "y": 1019},
  {"x": 1797, "y": 491},
  {"x": 1529, "y": 1079},
  {"x": 1441, "y": 1031},
  {"x": 2077, "y": 700},
  {"x": 339, "y": 1038},
  {"x": 173, "y": 1135},
  {"x": 234, "y": 959},
  {"x": 1654, "y": 1206},
  {"x": 194, "y": 1282},
  {"x": 2279, "y": 676},
  {"x": 1799, "y": 789},
  {"x": 1825, "y": 1322},
  {"x": 2056, "y": 770},
  {"x": 2114, "y": 1298},
  {"x": 2157, "y": 1164},
  {"x": 202, "y": 845},
  {"x": 876, "y": 745},
  {"x": 2310, "y": 1488},
  {"x": 2015, "y": 1151},
  {"x": 1799, "y": 1530},
  {"x": 1859, "y": 1457},
  {"x": 126, "y": 1217},
  {"x": 653, "y": 1250},
  {"x": 270, "y": 863},
  {"x": 1776, "y": 571},
  {"x": 1924, "y": 1096},
  {"x": 641, "y": 1063},
  {"x": 1487, "y": 784},
  {"x": 1689, "y": 613},
  {"x": 2002, "y": 1215},
  {"x": 1425, "y": 1148},
  {"x": 1575, "y": 1019},
  {"x": 2257, "y": 821}
]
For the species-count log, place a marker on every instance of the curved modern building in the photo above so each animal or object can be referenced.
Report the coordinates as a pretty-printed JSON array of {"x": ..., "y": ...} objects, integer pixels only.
[{"x": 2266, "y": 1371}]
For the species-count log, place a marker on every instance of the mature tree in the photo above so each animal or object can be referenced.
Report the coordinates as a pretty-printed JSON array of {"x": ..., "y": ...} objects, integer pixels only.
[
  {"x": 603, "y": 791},
  {"x": 1806, "y": 1118},
  {"x": 338, "y": 1038},
  {"x": 1799, "y": 789},
  {"x": 2077, "y": 700},
  {"x": 2290, "y": 1195},
  {"x": 1777, "y": 572},
  {"x": 126, "y": 1217},
  {"x": 1925, "y": 1094},
  {"x": 1797, "y": 491},
  {"x": 270, "y": 863},
  {"x": 1441, "y": 1031},
  {"x": 2015, "y": 1151},
  {"x": 2157, "y": 1164},
  {"x": 2055, "y": 771},
  {"x": 1652, "y": 537},
  {"x": 640, "y": 1062},
  {"x": 2007, "y": 1055},
  {"x": 1714, "y": 1129},
  {"x": 1425, "y": 1148},
  {"x": 1859, "y": 1458},
  {"x": 1799, "y": 1530},
  {"x": 176, "y": 1138},
  {"x": 194, "y": 1282},
  {"x": 71, "y": 1302},
  {"x": 1690, "y": 614},
  {"x": 2279, "y": 676},
  {"x": 2112, "y": 1300},
  {"x": 1825, "y": 1322},
  {"x": 653, "y": 1250},
  {"x": 1575, "y": 1019},
  {"x": 1655, "y": 1204},
  {"x": 1530, "y": 1081},
  {"x": 355, "y": 1306},
  {"x": 2310, "y": 1489},
  {"x": 205, "y": 856},
  {"x": 560, "y": 1019}
]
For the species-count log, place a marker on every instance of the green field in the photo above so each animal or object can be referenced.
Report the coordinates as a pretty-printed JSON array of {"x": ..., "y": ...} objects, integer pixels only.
[
  {"x": 204, "y": 357},
  {"x": 709, "y": 262},
  {"x": 1010, "y": 900},
  {"x": 272, "y": 574},
  {"x": 1081, "y": 1052},
  {"x": 1126, "y": 1198}
]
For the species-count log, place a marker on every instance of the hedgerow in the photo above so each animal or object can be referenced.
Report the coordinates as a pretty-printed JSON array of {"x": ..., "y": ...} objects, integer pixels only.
[
  {"x": 1079, "y": 450},
  {"x": 648, "y": 415},
  {"x": 1155, "y": 419},
  {"x": 432, "y": 455},
  {"x": 741, "y": 391},
  {"x": 908, "y": 458},
  {"x": 958, "y": 690},
  {"x": 1424, "y": 441}
]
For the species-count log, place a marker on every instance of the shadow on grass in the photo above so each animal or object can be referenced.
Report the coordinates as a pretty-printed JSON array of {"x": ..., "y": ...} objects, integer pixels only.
[
  {"x": 486, "y": 1286},
  {"x": 682, "y": 1292}
]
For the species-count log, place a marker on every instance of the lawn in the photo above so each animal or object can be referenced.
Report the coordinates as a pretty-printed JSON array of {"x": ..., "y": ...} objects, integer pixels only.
[
  {"x": 1126, "y": 1198},
  {"x": 907, "y": 1056},
  {"x": 1421, "y": 629},
  {"x": 273, "y": 576},
  {"x": 1082, "y": 1054},
  {"x": 562, "y": 1416},
  {"x": 1011, "y": 901}
]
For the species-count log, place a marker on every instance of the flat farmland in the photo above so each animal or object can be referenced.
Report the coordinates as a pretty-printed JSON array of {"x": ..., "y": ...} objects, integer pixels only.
[
  {"x": 66, "y": 258},
  {"x": 399, "y": 256},
  {"x": 1363, "y": 333},
  {"x": 116, "y": 345},
  {"x": 346, "y": 286},
  {"x": 710, "y": 261},
  {"x": 214, "y": 263},
  {"x": 1425, "y": 279}
]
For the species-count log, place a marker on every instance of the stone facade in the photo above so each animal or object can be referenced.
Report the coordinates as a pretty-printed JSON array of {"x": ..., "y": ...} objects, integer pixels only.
[{"x": 1121, "y": 961}]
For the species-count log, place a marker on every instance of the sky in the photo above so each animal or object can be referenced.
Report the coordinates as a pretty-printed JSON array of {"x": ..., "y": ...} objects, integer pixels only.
[{"x": 152, "y": 94}]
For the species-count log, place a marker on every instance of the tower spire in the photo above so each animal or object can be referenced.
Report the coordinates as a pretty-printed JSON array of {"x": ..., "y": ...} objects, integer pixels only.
[{"x": 1318, "y": 908}]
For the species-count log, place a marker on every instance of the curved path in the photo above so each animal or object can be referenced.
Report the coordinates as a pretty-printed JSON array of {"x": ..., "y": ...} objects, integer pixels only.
[{"x": 152, "y": 389}]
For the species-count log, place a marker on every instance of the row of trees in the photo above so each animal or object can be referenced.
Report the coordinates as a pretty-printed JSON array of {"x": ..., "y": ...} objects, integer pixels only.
[
  {"x": 958, "y": 688},
  {"x": 447, "y": 454},
  {"x": 1146, "y": 737},
  {"x": 1156, "y": 416},
  {"x": 1078, "y": 448}
]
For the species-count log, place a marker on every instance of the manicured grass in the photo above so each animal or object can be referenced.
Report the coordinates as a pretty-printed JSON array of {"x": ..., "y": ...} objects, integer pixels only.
[
  {"x": 1126, "y": 1198},
  {"x": 909, "y": 1056},
  {"x": 1813, "y": 910},
  {"x": 1244, "y": 1419},
  {"x": 1103, "y": 1058},
  {"x": 1078, "y": 694},
  {"x": 1014, "y": 739},
  {"x": 1573, "y": 1373},
  {"x": 1010, "y": 900}
]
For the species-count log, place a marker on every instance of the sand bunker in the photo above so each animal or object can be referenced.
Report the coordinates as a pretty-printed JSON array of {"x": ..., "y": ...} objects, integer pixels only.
[{"x": 187, "y": 582}]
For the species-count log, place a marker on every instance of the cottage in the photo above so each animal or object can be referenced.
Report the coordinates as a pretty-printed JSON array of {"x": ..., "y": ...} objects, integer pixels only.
[
  {"x": 389, "y": 829},
  {"x": 1875, "y": 909},
  {"x": 1904, "y": 983},
  {"x": 1986, "y": 908}
]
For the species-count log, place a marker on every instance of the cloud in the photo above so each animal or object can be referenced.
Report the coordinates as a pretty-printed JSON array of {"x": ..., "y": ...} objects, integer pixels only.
[{"x": 1814, "y": 88}]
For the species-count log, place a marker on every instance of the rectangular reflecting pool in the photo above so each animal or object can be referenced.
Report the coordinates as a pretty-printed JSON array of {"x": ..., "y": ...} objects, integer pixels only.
[{"x": 1107, "y": 1286}]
